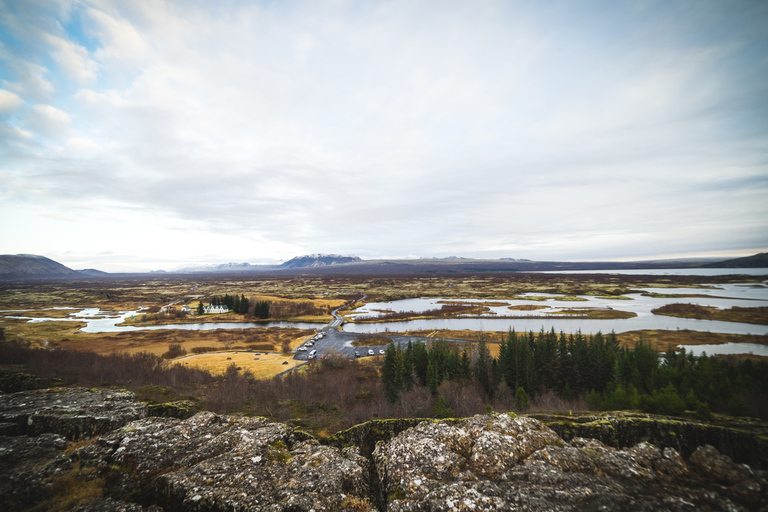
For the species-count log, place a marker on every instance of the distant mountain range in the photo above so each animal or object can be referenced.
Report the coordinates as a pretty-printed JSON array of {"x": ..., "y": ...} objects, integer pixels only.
[
  {"x": 308, "y": 261},
  {"x": 319, "y": 260},
  {"x": 29, "y": 266}
]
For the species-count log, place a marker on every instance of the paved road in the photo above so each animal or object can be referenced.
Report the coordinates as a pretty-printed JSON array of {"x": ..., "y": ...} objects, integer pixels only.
[
  {"x": 338, "y": 341},
  {"x": 341, "y": 342}
]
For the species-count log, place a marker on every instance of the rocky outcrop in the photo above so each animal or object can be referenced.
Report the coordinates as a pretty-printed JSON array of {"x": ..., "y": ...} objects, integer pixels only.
[
  {"x": 743, "y": 442},
  {"x": 504, "y": 463},
  {"x": 28, "y": 468},
  {"x": 210, "y": 462},
  {"x": 74, "y": 413}
]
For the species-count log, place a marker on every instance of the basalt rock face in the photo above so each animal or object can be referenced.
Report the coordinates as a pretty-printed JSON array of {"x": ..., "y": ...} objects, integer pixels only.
[
  {"x": 503, "y": 463},
  {"x": 623, "y": 430},
  {"x": 210, "y": 462},
  {"x": 74, "y": 413}
]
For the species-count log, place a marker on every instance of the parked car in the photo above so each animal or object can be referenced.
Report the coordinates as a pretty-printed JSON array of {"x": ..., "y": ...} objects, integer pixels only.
[
  {"x": 312, "y": 354},
  {"x": 303, "y": 349},
  {"x": 357, "y": 354},
  {"x": 370, "y": 352},
  {"x": 381, "y": 352}
]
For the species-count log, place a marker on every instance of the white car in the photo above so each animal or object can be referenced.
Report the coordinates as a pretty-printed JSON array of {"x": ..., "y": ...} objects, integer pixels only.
[
  {"x": 381, "y": 352},
  {"x": 303, "y": 349},
  {"x": 370, "y": 352}
]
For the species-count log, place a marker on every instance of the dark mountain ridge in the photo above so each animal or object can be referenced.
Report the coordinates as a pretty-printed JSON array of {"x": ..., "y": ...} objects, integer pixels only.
[
  {"x": 759, "y": 260},
  {"x": 26, "y": 265}
]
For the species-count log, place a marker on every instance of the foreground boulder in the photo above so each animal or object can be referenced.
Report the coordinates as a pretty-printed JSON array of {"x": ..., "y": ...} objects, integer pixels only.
[
  {"x": 212, "y": 462},
  {"x": 504, "y": 463}
]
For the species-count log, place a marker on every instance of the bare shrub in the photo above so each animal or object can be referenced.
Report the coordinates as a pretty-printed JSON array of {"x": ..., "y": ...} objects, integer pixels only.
[
  {"x": 174, "y": 350},
  {"x": 465, "y": 400},
  {"x": 260, "y": 346},
  {"x": 416, "y": 403},
  {"x": 230, "y": 393},
  {"x": 203, "y": 350},
  {"x": 287, "y": 309}
]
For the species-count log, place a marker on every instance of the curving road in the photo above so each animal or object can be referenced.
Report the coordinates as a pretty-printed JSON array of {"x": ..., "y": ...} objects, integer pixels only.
[{"x": 341, "y": 342}]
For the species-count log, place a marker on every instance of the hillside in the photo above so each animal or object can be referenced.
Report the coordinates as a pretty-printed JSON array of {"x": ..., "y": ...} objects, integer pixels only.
[
  {"x": 30, "y": 265},
  {"x": 759, "y": 260}
]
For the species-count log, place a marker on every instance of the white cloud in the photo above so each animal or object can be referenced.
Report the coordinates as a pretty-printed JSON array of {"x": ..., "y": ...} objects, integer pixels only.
[
  {"x": 9, "y": 101},
  {"x": 31, "y": 82},
  {"x": 72, "y": 58},
  {"x": 120, "y": 40},
  {"x": 48, "y": 121},
  {"x": 412, "y": 127}
]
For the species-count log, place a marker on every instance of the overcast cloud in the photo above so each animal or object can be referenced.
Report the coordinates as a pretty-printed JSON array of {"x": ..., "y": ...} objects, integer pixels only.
[{"x": 151, "y": 134}]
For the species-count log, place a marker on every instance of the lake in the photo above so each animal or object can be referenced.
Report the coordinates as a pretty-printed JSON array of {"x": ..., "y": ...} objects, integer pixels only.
[{"x": 720, "y": 296}]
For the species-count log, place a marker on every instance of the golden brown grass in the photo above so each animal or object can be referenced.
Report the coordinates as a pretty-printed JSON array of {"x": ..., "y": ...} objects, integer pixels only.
[
  {"x": 267, "y": 366},
  {"x": 78, "y": 486},
  {"x": 60, "y": 334}
]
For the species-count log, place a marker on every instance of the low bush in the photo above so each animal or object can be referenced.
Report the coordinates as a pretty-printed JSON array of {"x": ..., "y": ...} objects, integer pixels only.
[{"x": 174, "y": 350}]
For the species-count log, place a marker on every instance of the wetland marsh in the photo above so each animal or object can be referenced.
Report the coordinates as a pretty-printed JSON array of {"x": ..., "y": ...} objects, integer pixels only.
[{"x": 124, "y": 315}]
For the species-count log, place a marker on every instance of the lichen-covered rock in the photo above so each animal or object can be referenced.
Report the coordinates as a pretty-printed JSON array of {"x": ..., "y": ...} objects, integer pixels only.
[
  {"x": 494, "y": 462},
  {"x": 744, "y": 440},
  {"x": 27, "y": 466},
  {"x": 212, "y": 462},
  {"x": 110, "y": 505},
  {"x": 719, "y": 467},
  {"x": 74, "y": 413}
]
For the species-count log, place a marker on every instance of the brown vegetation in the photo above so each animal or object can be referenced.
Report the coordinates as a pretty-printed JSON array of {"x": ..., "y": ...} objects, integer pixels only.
[
  {"x": 757, "y": 315},
  {"x": 597, "y": 313},
  {"x": 662, "y": 340}
]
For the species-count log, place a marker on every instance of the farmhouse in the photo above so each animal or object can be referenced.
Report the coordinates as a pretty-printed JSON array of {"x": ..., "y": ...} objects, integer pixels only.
[{"x": 215, "y": 309}]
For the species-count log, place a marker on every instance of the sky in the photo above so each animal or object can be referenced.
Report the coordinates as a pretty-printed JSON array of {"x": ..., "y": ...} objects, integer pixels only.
[{"x": 155, "y": 134}]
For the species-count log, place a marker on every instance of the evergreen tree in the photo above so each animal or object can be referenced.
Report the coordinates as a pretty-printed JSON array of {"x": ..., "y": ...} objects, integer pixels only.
[
  {"x": 522, "y": 403},
  {"x": 465, "y": 374},
  {"x": 433, "y": 378},
  {"x": 483, "y": 367},
  {"x": 420, "y": 362},
  {"x": 389, "y": 374}
]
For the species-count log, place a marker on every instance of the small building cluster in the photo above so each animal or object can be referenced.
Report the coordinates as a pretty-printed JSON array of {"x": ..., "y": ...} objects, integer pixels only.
[{"x": 215, "y": 309}]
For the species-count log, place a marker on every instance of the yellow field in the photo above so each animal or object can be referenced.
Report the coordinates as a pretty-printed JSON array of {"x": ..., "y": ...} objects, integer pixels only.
[{"x": 265, "y": 367}]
